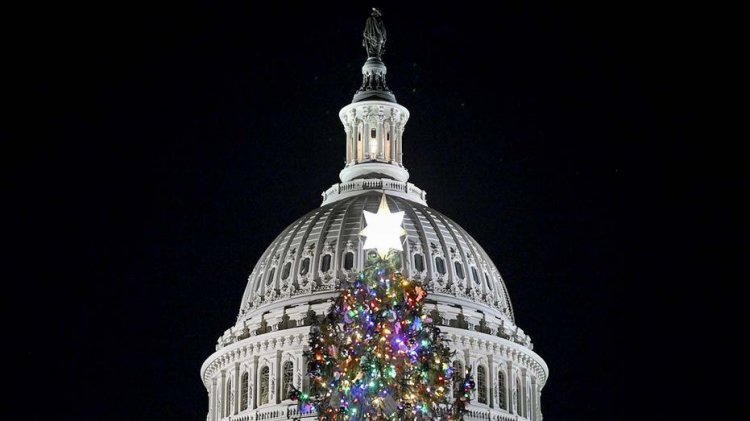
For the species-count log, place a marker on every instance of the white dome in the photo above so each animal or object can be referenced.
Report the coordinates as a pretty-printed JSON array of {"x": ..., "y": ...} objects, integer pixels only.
[
  {"x": 311, "y": 257},
  {"x": 302, "y": 271}
]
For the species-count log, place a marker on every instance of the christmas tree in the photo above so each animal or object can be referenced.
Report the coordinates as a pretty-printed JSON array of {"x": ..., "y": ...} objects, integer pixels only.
[{"x": 377, "y": 355}]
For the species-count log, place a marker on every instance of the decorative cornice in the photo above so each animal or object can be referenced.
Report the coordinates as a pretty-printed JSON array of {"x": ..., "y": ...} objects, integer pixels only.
[{"x": 296, "y": 338}]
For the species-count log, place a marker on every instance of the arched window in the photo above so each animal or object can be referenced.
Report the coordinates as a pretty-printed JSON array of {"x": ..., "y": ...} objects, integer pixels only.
[
  {"x": 474, "y": 275},
  {"x": 459, "y": 269},
  {"x": 458, "y": 378},
  {"x": 228, "y": 398},
  {"x": 287, "y": 378},
  {"x": 419, "y": 262},
  {"x": 440, "y": 265},
  {"x": 325, "y": 264},
  {"x": 482, "y": 384},
  {"x": 264, "y": 374},
  {"x": 269, "y": 280},
  {"x": 305, "y": 266},
  {"x": 285, "y": 271},
  {"x": 243, "y": 391},
  {"x": 501, "y": 401},
  {"x": 348, "y": 260},
  {"x": 487, "y": 279},
  {"x": 519, "y": 402}
]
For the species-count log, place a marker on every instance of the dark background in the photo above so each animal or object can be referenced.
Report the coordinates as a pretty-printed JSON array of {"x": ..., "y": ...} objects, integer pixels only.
[{"x": 169, "y": 144}]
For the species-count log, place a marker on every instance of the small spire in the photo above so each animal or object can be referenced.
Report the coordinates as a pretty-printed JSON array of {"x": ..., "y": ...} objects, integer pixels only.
[{"x": 373, "y": 72}]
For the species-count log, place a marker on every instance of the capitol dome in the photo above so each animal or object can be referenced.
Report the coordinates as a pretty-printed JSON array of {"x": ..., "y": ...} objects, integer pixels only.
[
  {"x": 311, "y": 257},
  {"x": 261, "y": 356}
]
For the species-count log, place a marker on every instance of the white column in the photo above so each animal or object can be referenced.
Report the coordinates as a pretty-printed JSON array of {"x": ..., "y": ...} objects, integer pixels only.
[
  {"x": 347, "y": 129},
  {"x": 212, "y": 416},
  {"x": 525, "y": 385},
  {"x": 491, "y": 381},
  {"x": 275, "y": 381},
  {"x": 538, "y": 398},
  {"x": 393, "y": 141},
  {"x": 353, "y": 140},
  {"x": 252, "y": 383},
  {"x": 469, "y": 364},
  {"x": 366, "y": 141},
  {"x": 510, "y": 380},
  {"x": 399, "y": 151},
  {"x": 526, "y": 393},
  {"x": 299, "y": 371},
  {"x": 533, "y": 412},
  {"x": 381, "y": 139},
  {"x": 360, "y": 142},
  {"x": 472, "y": 365},
  {"x": 237, "y": 389},
  {"x": 475, "y": 375},
  {"x": 223, "y": 394},
  {"x": 250, "y": 367},
  {"x": 209, "y": 416}
]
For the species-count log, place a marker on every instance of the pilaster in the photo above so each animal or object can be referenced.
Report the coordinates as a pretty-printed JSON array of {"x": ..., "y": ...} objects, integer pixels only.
[
  {"x": 237, "y": 390},
  {"x": 212, "y": 412},
  {"x": 253, "y": 383},
  {"x": 223, "y": 394}
]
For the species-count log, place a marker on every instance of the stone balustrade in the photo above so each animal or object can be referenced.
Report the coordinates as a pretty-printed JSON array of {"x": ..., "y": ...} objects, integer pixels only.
[
  {"x": 399, "y": 188},
  {"x": 291, "y": 412}
]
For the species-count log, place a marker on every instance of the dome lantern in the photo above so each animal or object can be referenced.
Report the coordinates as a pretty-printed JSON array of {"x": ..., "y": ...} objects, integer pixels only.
[{"x": 374, "y": 122}]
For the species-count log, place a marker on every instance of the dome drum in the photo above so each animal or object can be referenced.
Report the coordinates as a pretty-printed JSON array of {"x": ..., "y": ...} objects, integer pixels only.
[
  {"x": 245, "y": 380},
  {"x": 374, "y": 134}
]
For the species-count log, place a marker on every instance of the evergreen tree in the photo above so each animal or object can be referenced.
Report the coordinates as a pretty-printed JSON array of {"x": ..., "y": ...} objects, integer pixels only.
[{"x": 377, "y": 355}]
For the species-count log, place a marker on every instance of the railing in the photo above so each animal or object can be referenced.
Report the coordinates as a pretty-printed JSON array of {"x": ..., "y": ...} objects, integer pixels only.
[
  {"x": 276, "y": 413},
  {"x": 492, "y": 416},
  {"x": 293, "y": 413},
  {"x": 244, "y": 417},
  {"x": 373, "y": 184},
  {"x": 487, "y": 414},
  {"x": 505, "y": 417}
]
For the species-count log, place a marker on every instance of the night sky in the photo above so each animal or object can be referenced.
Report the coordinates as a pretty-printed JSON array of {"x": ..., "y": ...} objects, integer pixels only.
[{"x": 171, "y": 143}]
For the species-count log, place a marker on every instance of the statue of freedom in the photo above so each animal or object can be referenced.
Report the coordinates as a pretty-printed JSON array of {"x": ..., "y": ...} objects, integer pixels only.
[{"x": 374, "y": 35}]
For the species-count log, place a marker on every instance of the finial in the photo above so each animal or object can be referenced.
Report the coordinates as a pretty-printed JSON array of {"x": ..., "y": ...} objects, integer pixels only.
[{"x": 374, "y": 35}]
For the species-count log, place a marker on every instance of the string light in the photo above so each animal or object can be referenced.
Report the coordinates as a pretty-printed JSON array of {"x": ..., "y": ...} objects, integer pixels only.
[{"x": 376, "y": 355}]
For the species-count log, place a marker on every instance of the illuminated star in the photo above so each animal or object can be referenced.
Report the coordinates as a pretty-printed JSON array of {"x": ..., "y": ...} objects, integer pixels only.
[{"x": 383, "y": 230}]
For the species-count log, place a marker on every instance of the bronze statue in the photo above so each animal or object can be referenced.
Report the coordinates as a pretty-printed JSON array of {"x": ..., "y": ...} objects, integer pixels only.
[{"x": 374, "y": 35}]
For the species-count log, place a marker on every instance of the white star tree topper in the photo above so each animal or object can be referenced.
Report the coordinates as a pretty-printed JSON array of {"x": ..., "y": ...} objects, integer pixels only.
[{"x": 383, "y": 230}]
